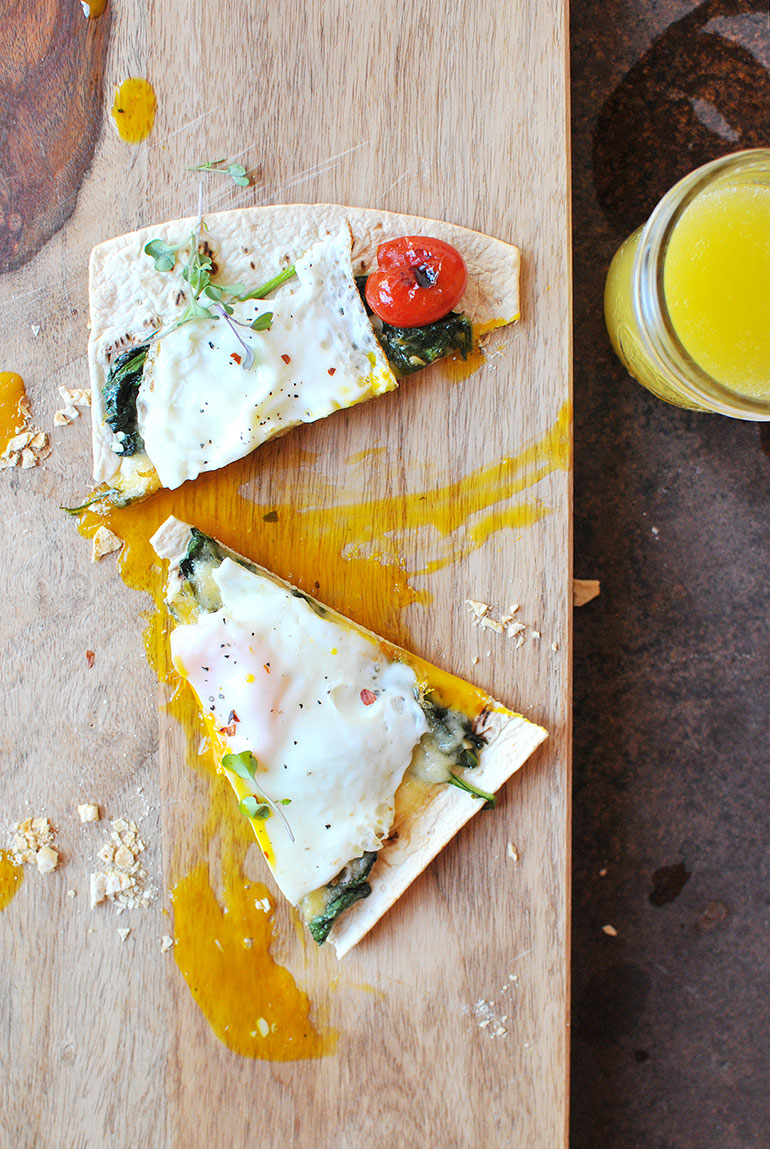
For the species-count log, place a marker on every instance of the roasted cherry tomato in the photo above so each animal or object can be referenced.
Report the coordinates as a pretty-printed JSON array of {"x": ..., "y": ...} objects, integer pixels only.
[{"x": 418, "y": 280}]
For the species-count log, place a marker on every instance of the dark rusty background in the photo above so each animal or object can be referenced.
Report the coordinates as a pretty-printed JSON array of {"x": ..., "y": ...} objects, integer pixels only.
[{"x": 671, "y": 1017}]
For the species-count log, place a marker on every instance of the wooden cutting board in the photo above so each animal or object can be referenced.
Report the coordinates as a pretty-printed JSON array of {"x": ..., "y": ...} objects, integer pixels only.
[{"x": 451, "y": 1018}]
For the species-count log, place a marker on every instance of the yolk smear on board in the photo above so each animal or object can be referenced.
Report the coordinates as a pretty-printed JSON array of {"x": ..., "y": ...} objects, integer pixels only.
[
  {"x": 252, "y": 1004},
  {"x": 133, "y": 110},
  {"x": 11, "y": 875},
  {"x": 14, "y": 407}
]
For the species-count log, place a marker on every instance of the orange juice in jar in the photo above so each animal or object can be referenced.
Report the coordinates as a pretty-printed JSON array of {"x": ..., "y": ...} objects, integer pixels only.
[{"x": 687, "y": 298}]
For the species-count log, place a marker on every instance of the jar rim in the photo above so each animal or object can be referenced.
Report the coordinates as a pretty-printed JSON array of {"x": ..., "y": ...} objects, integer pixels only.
[{"x": 656, "y": 328}]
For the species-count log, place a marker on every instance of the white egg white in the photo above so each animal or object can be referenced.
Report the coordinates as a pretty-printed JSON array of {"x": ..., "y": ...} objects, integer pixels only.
[{"x": 332, "y": 723}]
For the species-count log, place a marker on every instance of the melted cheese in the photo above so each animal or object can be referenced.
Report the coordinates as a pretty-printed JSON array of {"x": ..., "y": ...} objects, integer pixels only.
[
  {"x": 332, "y": 723},
  {"x": 198, "y": 408}
]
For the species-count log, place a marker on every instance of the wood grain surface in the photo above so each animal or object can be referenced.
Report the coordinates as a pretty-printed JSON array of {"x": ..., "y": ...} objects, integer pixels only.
[{"x": 450, "y": 110}]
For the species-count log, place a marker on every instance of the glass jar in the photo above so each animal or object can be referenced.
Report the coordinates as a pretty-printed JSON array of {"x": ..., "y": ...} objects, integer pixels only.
[{"x": 687, "y": 297}]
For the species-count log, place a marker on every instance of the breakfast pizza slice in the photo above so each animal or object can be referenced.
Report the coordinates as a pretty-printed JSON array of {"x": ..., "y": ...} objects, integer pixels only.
[
  {"x": 210, "y": 337},
  {"x": 355, "y": 761}
]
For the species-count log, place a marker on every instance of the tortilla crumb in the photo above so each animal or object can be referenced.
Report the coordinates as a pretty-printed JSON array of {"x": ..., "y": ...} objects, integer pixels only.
[
  {"x": 88, "y": 812},
  {"x": 33, "y": 840},
  {"x": 124, "y": 932},
  {"x": 122, "y": 879},
  {"x": 105, "y": 542},
  {"x": 486, "y": 1017},
  {"x": 29, "y": 447},
  {"x": 584, "y": 590},
  {"x": 47, "y": 859},
  {"x": 479, "y": 609},
  {"x": 610, "y": 931},
  {"x": 512, "y": 852},
  {"x": 506, "y": 623},
  {"x": 73, "y": 397}
]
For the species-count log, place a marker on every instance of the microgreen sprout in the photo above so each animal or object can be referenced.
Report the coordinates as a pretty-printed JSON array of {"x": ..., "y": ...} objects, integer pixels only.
[
  {"x": 490, "y": 800},
  {"x": 236, "y": 172},
  {"x": 248, "y": 352},
  {"x": 244, "y": 765},
  {"x": 206, "y": 299},
  {"x": 96, "y": 497},
  {"x": 251, "y": 808},
  {"x": 163, "y": 254}
]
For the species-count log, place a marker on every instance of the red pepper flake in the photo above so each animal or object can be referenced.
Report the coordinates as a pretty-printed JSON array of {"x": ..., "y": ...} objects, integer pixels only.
[
  {"x": 227, "y": 730},
  {"x": 368, "y": 697},
  {"x": 331, "y": 370},
  {"x": 286, "y": 358},
  {"x": 90, "y": 656},
  {"x": 266, "y": 666},
  {"x": 234, "y": 355},
  {"x": 233, "y": 717}
]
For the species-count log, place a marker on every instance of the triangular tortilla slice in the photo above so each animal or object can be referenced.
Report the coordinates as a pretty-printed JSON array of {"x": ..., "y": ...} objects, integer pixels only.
[
  {"x": 425, "y": 816},
  {"x": 129, "y": 299}
]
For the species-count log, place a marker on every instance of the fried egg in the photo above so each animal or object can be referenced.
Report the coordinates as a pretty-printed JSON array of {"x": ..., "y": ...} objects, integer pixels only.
[
  {"x": 200, "y": 405},
  {"x": 332, "y": 723}
]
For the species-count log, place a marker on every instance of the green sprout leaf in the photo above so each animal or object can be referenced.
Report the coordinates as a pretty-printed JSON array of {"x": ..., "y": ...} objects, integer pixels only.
[
  {"x": 163, "y": 254},
  {"x": 244, "y": 765},
  {"x": 263, "y": 322},
  {"x": 236, "y": 172},
  {"x": 250, "y": 807}
]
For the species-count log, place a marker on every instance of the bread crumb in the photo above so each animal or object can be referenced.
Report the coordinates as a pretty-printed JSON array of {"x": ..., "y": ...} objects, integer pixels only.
[
  {"x": 166, "y": 942},
  {"x": 248, "y": 943},
  {"x": 554, "y": 646},
  {"x": 105, "y": 542},
  {"x": 512, "y": 852},
  {"x": 263, "y": 1027},
  {"x": 71, "y": 893},
  {"x": 603, "y": 872},
  {"x": 584, "y": 590},
  {"x": 610, "y": 931},
  {"x": 124, "y": 932},
  {"x": 474, "y": 660},
  {"x": 88, "y": 812},
  {"x": 36, "y": 329}
]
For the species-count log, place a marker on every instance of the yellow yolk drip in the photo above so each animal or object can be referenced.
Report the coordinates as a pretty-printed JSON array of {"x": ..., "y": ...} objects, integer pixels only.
[
  {"x": 93, "y": 9},
  {"x": 14, "y": 408},
  {"x": 11, "y": 875},
  {"x": 133, "y": 110}
]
